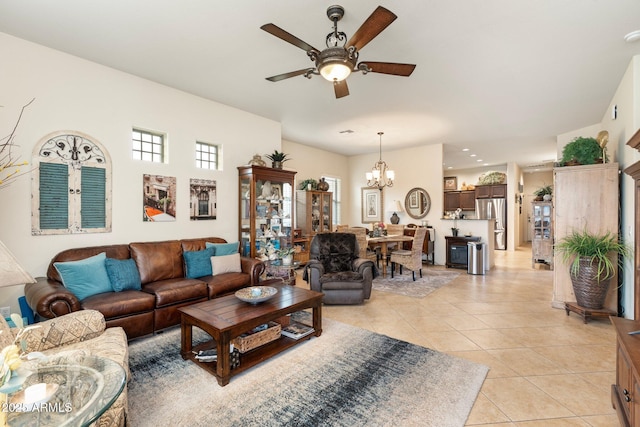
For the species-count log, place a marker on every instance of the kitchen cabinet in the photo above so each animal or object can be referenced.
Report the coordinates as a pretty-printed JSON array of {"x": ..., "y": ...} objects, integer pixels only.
[
  {"x": 266, "y": 208},
  {"x": 314, "y": 211},
  {"x": 464, "y": 200},
  {"x": 497, "y": 191}
]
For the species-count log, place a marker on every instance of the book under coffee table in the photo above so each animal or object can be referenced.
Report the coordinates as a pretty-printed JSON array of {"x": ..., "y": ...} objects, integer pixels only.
[{"x": 228, "y": 317}]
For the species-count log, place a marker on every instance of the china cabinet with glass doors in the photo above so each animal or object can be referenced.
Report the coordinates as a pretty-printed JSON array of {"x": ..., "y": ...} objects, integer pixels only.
[
  {"x": 266, "y": 209},
  {"x": 542, "y": 233},
  {"x": 313, "y": 211}
]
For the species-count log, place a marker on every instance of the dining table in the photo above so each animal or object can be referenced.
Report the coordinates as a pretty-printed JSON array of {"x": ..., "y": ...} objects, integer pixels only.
[{"x": 383, "y": 242}]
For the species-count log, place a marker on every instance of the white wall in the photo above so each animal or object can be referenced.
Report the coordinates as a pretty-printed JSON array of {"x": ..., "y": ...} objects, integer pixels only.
[
  {"x": 627, "y": 99},
  {"x": 74, "y": 94},
  {"x": 313, "y": 163}
]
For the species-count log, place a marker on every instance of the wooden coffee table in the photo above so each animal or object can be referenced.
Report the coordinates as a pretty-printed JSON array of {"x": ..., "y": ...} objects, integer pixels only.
[{"x": 227, "y": 317}]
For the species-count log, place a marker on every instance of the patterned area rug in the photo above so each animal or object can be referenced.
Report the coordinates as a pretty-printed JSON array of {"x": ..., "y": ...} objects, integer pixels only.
[
  {"x": 347, "y": 377},
  {"x": 433, "y": 278}
]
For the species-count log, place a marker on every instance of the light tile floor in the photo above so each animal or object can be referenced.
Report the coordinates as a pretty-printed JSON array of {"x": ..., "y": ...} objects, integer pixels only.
[{"x": 547, "y": 368}]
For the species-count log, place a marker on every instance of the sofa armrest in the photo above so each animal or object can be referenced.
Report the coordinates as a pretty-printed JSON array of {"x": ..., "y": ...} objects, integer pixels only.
[
  {"x": 252, "y": 266},
  {"x": 49, "y": 298},
  {"x": 72, "y": 328}
]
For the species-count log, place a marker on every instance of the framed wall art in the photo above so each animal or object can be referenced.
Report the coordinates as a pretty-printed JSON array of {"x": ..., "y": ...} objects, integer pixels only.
[
  {"x": 450, "y": 183},
  {"x": 371, "y": 205}
]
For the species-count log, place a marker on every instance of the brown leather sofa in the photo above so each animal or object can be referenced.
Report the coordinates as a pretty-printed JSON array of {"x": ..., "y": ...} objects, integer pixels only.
[{"x": 164, "y": 286}]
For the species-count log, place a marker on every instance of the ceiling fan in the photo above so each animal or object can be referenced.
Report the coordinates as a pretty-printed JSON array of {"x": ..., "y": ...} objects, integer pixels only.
[{"x": 340, "y": 58}]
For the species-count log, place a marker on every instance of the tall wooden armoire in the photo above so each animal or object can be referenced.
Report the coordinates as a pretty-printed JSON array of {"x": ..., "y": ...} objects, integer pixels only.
[{"x": 585, "y": 197}]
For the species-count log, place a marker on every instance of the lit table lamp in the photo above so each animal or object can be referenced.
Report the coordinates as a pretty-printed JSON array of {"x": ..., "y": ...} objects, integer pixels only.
[
  {"x": 394, "y": 218},
  {"x": 11, "y": 272}
]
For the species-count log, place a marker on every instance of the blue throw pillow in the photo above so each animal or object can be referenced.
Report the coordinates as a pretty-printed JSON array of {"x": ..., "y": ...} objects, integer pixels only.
[
  {"x": 85, "y": 277},
  {"x": 223, "y": 248},
  {"x": 198, "y": 263},
  {"x": 123, "y": 274}
]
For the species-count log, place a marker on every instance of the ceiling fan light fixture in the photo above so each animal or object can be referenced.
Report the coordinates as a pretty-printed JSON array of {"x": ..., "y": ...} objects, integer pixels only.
[
  {"x": 334, "y": 64},
  {"x": 335, "y": 71}
]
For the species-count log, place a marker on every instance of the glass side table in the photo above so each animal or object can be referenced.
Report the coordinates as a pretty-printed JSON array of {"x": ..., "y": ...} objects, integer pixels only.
[
  {"x": 275, "y": 269},
  {"x": 86, "y": 388}
]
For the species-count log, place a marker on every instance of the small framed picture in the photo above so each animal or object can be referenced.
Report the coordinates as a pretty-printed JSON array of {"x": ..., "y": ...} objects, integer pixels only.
[{"x": 450, "y": 183}]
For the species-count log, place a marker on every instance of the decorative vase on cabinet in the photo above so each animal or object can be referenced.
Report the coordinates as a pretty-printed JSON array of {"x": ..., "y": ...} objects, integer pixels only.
[{"x": 266, "y": 209}]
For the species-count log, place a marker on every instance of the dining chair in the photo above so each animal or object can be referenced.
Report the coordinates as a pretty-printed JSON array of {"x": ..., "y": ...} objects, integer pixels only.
[
  {"x": 363, "y": 245},
  {"x": 393, "y": 230},
  {"x": 411, "y": 259}
]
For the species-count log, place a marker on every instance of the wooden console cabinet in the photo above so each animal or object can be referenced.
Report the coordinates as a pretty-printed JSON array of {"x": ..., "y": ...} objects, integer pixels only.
[
  {"x": 457, "y": 250},
  {"x": 625, "y": 393}
]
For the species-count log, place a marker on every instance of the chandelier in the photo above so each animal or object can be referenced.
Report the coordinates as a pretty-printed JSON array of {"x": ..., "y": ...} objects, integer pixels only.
[{"x": 380, "y": 176}]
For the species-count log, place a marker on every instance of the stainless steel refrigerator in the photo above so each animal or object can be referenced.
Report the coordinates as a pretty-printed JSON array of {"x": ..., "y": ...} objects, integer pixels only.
[{"x": 495, "y": 209}]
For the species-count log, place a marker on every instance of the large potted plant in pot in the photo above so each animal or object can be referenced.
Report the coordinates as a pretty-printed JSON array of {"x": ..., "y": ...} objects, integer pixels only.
[{"x": 592, "y": 260}]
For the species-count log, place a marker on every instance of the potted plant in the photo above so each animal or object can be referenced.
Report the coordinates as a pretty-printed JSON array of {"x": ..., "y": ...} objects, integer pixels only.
[
  {"x": 581, "y": 151},
  {"x": 591, "y": 264},
  {"x": 286, "y": 254},
  {"x": 308, "y": 184},
  {"x": 545, "y": 190},
  {"x": 277, "y": 159},
  {"x": 454, "y": 231}
]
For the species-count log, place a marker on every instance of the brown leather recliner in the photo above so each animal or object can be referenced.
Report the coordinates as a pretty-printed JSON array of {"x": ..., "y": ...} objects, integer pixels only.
[{"x": 336, "y": 269}]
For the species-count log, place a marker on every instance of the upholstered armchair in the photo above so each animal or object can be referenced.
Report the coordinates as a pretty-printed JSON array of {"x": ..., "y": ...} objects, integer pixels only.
[
  {"x": 74, "y": 335},
  {"x": 336, "y": 269},
  {"x": 411, "y": 259}
]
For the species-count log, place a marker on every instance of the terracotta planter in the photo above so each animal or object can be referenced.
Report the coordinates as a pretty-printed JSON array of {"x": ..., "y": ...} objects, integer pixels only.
[{"x": 590, "y": 292}]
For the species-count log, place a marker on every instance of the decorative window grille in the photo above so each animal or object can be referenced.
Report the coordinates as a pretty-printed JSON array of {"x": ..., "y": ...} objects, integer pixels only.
[
  {"x": 207, "y": 156},
  {"x": 148, "y": 146},
  {"x": 71, "y": 185}
]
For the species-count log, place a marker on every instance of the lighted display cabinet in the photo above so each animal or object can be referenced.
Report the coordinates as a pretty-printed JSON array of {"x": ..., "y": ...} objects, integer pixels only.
[
  {"x": 266, "y": 208},
  {"x": 542, "y": 233},
  {"x": 313, "y": 211}
]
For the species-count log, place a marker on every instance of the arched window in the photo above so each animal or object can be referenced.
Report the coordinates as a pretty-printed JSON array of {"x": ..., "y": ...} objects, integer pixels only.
[{"x": 71, "y": 186}]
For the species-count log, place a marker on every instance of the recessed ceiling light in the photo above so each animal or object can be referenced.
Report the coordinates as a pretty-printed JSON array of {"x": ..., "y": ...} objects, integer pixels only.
[
  {"x": 479, "y": 160},
  {"x": 450, "y": 167},
  {"x": 472, "y": 155},
  {"x": 465, "y": 149},
  {"x": 632, "y": 36}
]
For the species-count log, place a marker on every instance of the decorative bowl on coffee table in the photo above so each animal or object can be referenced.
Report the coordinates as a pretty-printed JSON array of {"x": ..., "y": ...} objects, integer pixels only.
[{"x": 256, "y": 294}]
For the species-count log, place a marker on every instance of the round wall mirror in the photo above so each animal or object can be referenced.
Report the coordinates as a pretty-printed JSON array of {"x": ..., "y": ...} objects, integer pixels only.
[{"x": 417, "y": 203}]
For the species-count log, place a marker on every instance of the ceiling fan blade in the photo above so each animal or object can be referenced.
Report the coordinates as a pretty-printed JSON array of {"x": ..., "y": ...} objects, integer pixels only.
[
  {"x": 380, "y": 19},
  {"x": 288, "y": 37},
  {"x": 341, "y": 89},
  {"x": 288, "y": 75},
  {"x": 390, "y": 68}
]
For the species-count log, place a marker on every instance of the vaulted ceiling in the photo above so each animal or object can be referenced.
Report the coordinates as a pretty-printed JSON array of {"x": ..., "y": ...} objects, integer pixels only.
[{"x": 500, "y": 77}]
